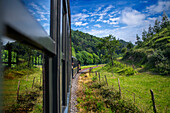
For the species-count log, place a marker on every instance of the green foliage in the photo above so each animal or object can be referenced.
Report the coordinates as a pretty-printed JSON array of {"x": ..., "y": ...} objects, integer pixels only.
[
  {"x": 154, "y": 51},
  {"x": 120, "y": 68},
  {"x": 86, "y": 42},
  {"x": 98, "y": 98},
  {"x": 109, "y": 45},
  {"x": 84, "y": 57},
  {"x": 94, "y": 78},
  {"x": 73, "y": 52},
  {"x": 19, "y": 71},
  {"x": 139, "y": 84}
]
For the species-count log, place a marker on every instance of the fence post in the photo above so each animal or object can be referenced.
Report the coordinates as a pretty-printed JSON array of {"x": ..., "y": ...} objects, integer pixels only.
[
  {"x": 134, "y": 97},
  {"x": 96, "y": 73},
  {"x": 119, "y": 88},
  {"x": 153, "y": 101},
  {"x": 18, "y": 89},
  {"x": 40, "y": 80},
  {"x": 106, "y": 80},
  {"x": 33, "y": 82}
]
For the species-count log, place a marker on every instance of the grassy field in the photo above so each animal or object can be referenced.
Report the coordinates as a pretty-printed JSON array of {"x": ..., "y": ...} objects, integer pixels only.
[
  {"x": 140, "y": 85},
  {"x": 26, "y": 92},
  {"x": 88, "y": 66}
]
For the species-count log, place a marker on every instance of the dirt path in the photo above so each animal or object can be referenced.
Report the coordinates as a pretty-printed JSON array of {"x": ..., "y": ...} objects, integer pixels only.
[{"x": 73, "y": 101}]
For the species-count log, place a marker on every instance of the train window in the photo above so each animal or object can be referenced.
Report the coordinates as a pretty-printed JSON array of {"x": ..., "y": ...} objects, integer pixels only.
[
  {"x": 23, "y": 68},
  {"x": 40, "y": 10}
]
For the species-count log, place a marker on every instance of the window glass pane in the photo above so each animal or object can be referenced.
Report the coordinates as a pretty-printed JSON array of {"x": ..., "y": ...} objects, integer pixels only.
[
  {"x": 22, "y": 77},
  {"x": 40, "y": 10}
]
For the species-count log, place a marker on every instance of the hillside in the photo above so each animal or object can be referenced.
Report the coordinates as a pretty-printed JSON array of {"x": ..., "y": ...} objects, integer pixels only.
[
  {"x": 84, "y": 47},
  {"x": 153, "y": 53}
]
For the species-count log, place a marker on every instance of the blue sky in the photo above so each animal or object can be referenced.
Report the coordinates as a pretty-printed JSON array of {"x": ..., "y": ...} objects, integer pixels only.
[{"x": 121, "y": 18}]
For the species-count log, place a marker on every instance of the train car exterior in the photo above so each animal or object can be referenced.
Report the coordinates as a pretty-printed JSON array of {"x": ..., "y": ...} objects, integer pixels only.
[
  {"x": 75, "y": 66},
  {"x": 18, "y": 24}
]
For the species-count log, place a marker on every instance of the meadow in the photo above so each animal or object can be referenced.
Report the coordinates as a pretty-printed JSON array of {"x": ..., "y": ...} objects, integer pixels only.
[{"x": 136, "y": 88}]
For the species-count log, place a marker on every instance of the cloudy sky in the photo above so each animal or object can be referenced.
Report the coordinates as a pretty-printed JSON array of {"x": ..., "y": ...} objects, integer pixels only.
[{"x": 121, "y": 18}]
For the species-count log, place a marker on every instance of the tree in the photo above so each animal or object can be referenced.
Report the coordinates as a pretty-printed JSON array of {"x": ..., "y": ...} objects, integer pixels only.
[
  {"x": 95, "y": 59},
  {"x": 139, "y": 42},
  {"x": 150, "y": 31},
  {"x": 165, "y": 20},
  {"x": 156, "y": 27},
  {"x": 130, "y": 45},
  {"x": 144, "y": 35},
  {"x": 109, "y": 44}
]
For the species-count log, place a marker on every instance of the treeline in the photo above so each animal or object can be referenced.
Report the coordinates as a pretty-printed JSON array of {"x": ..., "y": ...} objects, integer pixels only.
[
  {"x": 85, "y": 48},
  {"x": 152, "y": 50}
]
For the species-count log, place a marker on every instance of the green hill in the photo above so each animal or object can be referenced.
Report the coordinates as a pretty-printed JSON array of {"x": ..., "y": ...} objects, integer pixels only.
[
  {"x": 84, "y": 48},
  {"x": 153, "y": 52}
]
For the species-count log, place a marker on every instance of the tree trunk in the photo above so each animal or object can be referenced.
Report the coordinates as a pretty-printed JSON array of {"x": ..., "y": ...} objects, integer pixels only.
[{"x": 112, "y": 60}]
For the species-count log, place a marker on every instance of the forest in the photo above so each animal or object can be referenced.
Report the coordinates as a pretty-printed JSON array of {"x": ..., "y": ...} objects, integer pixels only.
[{"x": 85, "y": 48}]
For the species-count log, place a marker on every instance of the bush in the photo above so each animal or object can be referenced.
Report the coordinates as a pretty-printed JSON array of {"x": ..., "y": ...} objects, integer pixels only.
[{"x": 120, "y": 68}]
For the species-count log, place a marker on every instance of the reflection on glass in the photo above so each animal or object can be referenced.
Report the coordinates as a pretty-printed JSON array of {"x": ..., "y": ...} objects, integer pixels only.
[
  {"x": 22, "y": 78},
  {"x": 40, "y": 9}
]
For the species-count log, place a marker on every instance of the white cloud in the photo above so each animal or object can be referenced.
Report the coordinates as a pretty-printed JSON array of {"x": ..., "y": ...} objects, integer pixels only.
[
  {"x": 100, "y": 18},
  {"x": 152, "y": 19},
  {"x": 84, "y": 10},
  {"x": 79, "y": 16},
  {"x": 80, "y": 24},
  {"x": 107, "y": 8},
  {"x": 114, "y": 19},
  {"x": 97, "y": 25},
  {"x": 92, "y": 20},
  {"x": 46, "y": 25},
  {"x": 132, "y": 17},
  {"x": 113, "y": 22},
  {"x": 160, "y": 7},
  {"x": 99, "y": 8},
  {"x": 143, "y": 1},
  {"x": 35, "y": 6},
  {"x": 106, "y": 21},
  {"x": 87, "y": 26}
]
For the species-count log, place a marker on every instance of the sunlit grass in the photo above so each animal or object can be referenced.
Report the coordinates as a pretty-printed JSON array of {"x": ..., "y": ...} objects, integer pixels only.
[
  {"x": 140, "y": 85},
  {"x": 10, "y": 87},
  {"x": 88, "y": 66}
]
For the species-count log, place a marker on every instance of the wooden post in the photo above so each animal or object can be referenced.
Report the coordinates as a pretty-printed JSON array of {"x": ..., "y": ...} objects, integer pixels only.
[
  {"x": 153, "y": 101},
  {"x": 99, "y": 77},
  {"x": 40, "y": 80},
  {"x": 134, "y": 97},
  {"x": 26, "y": 89},
  {"x": 106, "y": 80},
  {"x": 96, "y": 73},
  {"x": 119, "y": 88},
  {"x": 18, "y": 90},
  {"x": 133, "y": 66},
  {"x": 33, "y": 82}
]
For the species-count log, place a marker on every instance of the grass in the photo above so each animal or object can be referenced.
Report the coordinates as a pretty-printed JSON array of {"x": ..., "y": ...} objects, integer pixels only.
[
  {"x": 140, "y": 85},
  {"x": 10, "y": 89},
  {"x": 88, "y": 66},
  {"x": 95, "y": 96}
]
